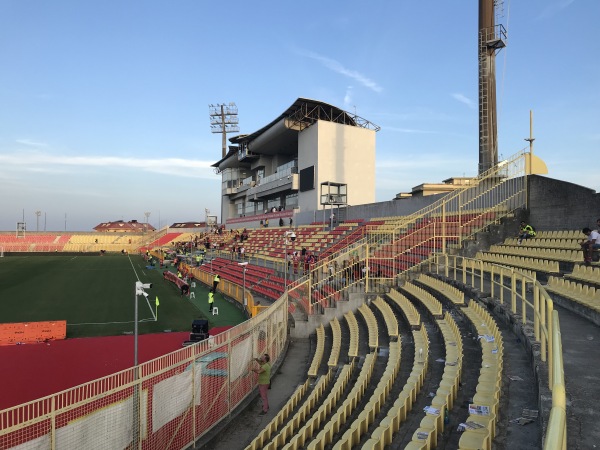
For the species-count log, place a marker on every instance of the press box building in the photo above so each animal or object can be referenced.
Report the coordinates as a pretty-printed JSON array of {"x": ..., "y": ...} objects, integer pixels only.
[{"x": 313, "y": 156}]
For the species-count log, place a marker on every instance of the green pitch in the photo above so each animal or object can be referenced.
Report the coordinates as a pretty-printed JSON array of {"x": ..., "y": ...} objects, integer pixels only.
[{"x": 95, "y": 295}]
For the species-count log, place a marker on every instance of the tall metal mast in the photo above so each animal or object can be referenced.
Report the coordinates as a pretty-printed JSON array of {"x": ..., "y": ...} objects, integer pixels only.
[
  {"x": 491, "y": 40},
  {"x": 224, "y": 119}
]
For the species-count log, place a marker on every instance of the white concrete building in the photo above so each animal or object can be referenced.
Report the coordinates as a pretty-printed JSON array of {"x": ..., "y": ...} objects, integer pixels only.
[{"x": 312, "y": 156}]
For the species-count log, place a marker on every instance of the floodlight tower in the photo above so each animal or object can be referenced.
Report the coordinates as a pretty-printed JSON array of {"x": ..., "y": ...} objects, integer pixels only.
[
  {"x": 37, "y": 221},
  {"x": 491, "y": 40},
  {"x": 147, "y": 214},
  {"x": 224, "y": 119}
]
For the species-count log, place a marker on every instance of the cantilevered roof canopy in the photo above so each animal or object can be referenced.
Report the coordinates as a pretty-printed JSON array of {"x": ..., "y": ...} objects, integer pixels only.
[{"x": 281, "y": 135}]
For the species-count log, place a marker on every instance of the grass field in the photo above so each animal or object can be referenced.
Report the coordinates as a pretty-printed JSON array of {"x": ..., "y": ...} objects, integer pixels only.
[{"x": 95, "y": 295}]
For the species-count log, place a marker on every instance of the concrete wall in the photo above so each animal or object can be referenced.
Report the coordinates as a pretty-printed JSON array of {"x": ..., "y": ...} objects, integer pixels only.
[
  {"x": 340, "y": 154},
  {"x": 559, "y": 205}
]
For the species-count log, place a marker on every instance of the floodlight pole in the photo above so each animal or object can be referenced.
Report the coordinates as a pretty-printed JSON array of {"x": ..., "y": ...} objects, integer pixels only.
[
  {"x": 244, "y": 265},
  {"x": 285, "y": 262},
  {"x": 135, "y": 330},
  {"x": 292, "y": 236},
  {"x": 136, "y": 388}
]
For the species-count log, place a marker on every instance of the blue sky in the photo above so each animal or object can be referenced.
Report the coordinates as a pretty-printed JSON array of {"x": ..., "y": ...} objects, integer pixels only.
[{"x": 104, "y": 104}]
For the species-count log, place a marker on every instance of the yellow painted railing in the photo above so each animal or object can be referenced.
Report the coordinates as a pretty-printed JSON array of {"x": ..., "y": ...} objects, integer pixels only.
[
  {"x": 392, "y": 247},
  {"x": 510, "y": 286}
]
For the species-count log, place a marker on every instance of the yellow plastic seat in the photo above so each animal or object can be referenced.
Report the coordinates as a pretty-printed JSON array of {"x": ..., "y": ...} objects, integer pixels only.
[{"x": 475, "y": 440}]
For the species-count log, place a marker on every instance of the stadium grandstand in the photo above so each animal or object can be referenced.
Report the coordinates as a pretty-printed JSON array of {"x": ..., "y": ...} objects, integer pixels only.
[
  {"x": 413, "y": 323},
  {"x": 385, "y": 298}
]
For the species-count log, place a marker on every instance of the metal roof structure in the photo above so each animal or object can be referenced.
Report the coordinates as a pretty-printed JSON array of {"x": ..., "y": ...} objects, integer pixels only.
[{"x": 281, "y": 135}]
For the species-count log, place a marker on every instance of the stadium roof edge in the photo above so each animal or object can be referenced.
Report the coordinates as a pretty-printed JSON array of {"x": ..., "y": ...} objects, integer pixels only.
[{"x": 303, "y": 111}]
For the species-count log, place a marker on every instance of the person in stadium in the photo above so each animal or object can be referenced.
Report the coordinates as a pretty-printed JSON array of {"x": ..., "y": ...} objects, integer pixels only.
[
  {"x": 211, "y": 300},
  {"x": 526, "y": 231},
  {"x": 216, "y": 281},
  {"x": 264, "y": 380},
  {"x": 590, "y": 244}
]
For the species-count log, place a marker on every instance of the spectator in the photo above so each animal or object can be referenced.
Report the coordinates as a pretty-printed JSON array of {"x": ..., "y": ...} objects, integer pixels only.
[
  {"x": 525, "y": 231},
  {"x": 281, "y": 221},
  {"x": 590, "y": 244},
  {"x": 264, "y": 381}
]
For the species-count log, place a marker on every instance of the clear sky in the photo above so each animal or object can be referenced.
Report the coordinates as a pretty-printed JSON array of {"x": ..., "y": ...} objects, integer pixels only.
[{"x": 104, "y": 103}]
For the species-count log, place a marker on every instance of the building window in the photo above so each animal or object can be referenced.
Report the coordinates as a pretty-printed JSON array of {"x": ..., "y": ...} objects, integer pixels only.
[{"x": 291, "y": 200}]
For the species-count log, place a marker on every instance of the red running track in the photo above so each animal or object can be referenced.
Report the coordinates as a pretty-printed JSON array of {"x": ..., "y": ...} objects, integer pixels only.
[{"x": 32, "y": 371}]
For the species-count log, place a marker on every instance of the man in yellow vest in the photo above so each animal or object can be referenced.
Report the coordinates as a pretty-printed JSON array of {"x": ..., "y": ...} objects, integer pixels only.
[
  {"x": 216, "y": 281},
  {"x": 211, "y": 300}
]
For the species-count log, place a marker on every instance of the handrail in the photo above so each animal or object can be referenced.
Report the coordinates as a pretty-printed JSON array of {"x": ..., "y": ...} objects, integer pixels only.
[
  {"x": 546, "y": 326},
  {"x": 556, "y": 434}
]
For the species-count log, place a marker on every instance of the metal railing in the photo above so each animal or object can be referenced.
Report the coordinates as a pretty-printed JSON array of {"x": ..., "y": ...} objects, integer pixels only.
[
  {"x": 511, "y": 286},
  {"x": 182, "y": 395},
  {"x": 389, "y": 249}
]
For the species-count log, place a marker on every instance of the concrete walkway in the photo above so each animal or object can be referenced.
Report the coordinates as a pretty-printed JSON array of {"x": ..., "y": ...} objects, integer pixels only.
[
  {"x": 245, "y": 427},
  {"x": 581, "y": 353}
]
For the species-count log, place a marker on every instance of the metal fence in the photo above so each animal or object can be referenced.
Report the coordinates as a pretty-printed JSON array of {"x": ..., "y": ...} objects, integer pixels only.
[{"x": 166, "y": 403}]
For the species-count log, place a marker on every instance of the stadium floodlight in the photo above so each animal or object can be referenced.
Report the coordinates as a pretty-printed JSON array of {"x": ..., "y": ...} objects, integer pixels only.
[{"x": 223, "y": 120}]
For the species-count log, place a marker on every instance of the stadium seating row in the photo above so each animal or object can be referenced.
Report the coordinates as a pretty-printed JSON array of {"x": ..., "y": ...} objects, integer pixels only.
[
  {"x": 354, "y": 334},
  {"x": 336, "y": 345},
  {"x": 566, "y": 244},
  {"x": 408, "y": 309},
  {"x": 319, "y": 417},
  {"x": 382, "y": 435},
  {"x": 588, "y": 296},
  {"x": 540, "y": 265},
  {"x": 484, "y": 410},
  {"x": 316, "y": 362},
  {"x": 561, "y": 234},
  {"x": 542, "y": 253},
  {"x": 388, "y": 316},
  {"x": 371, "y": 410},
  {"x": 454, "y": 294},
  {"x": 298, "y": 418},
  {"x": 432, "y": 424},
  {"x": 588, "y": 274},
  {"x": 372, "y": 327},
  {"x": 265, "y": 435},
  {"x": 429, "y": 301},
  {"x": 341, "y": 414}
]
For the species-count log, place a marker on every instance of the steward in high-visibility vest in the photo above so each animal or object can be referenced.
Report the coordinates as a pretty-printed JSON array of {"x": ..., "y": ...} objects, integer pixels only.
[
  {"x": 216, "y": 281},
  {"x": 211, "y": 300}
]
